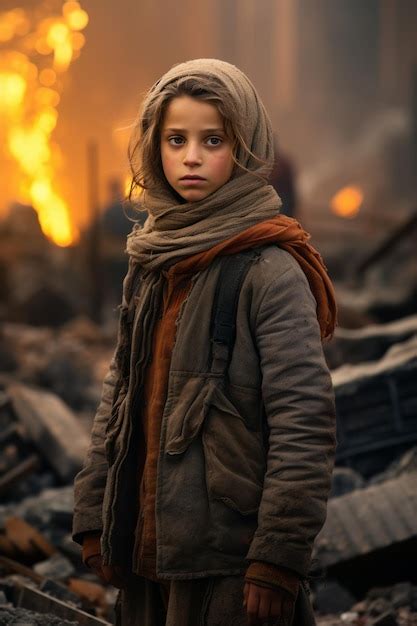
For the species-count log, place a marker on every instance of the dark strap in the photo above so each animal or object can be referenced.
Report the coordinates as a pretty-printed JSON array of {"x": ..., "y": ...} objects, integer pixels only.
[{"x": 232, "y": 274}]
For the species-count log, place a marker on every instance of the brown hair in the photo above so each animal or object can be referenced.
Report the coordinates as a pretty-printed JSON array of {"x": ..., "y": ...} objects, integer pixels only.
[{"x": 144, "y": 145}]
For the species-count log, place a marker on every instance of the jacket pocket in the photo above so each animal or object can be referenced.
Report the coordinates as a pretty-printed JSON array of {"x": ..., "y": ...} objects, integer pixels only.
[
  {"x": 234, "y": 456},
  {"x": 188, "y": 415}
]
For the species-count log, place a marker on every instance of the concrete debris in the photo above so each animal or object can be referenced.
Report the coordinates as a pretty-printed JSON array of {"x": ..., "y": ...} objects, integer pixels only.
[
  {"x": 345, "y": 480},
  {"x": 57, "y": 567},
  {"x": 331, "y": 597},
  {"x": 381, "y": 605},
  {"x": 45, "y": 559},
  {"x": 22, "y": 617},
  {"x": 35, "y": 600},
  {"x": 369, "y": 534},
  {"x": 52, "y": 427},
  {"x": 70, "y": 361},
  {"x": 61, "y": 591},
  {"x": 376, "y": 406},
  {"x": 369, "y": 343}
]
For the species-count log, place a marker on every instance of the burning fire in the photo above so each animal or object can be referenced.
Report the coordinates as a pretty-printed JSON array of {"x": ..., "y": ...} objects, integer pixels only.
[
  {"x": 38, "y": 52},
  {"x": 347, "y": 202}
]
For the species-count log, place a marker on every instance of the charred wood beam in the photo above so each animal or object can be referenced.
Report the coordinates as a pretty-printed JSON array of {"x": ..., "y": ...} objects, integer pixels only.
[
  {"x": 389, "y": 244},
  {"x": 17, "y": 473}
]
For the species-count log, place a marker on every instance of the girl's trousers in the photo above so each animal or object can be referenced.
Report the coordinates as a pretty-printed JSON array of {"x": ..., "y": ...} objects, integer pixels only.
[{"x": 204, "y": 602}]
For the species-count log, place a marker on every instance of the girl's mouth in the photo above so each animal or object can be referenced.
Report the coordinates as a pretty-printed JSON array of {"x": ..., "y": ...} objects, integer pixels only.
[{"x": 192, "y": 180}]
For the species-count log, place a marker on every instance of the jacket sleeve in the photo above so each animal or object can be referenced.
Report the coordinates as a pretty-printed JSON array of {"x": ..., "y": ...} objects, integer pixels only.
[
  {"x": 299, "y": 408},
  {"x": 90, "y": 482}
]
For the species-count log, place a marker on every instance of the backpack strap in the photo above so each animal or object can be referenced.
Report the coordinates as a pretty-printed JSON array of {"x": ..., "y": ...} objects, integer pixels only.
[{"x": 223, "y": 319}]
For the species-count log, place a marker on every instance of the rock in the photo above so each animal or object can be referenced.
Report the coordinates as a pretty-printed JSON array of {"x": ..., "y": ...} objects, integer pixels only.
[
  {"x": 52, "y": 427},
  {"x": 331, "y": 597},
  {"x": 22, "y": 541},
  {"x": 60, "y": 591},
  {"x": 401, "y": 594},
  {"x": 57, "y": 567},
  {"x": 65, "y": 613},
  {"x": 379, "y": 606},
  {"x": 344, "y": 480},
  {"x": 3, "y": 599},
  {"x": 93, "y": 593},
  {"x": 385, "y": 619},
  {"x": 413, "y": 600},
  {"x": 21, "y": 617}
]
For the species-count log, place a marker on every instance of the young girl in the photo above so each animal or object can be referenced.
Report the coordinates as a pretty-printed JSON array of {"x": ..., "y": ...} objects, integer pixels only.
[{"x": 207, "y": 476}]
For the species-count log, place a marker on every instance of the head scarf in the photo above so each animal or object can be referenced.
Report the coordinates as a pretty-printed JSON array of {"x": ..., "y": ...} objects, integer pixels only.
[{"x": 176, "y": 229}]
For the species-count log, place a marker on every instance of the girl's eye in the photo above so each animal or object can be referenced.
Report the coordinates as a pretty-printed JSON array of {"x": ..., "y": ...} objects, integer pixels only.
[
  {"x": 175, "y": 141},
  {"x": 214, "y": 141}
]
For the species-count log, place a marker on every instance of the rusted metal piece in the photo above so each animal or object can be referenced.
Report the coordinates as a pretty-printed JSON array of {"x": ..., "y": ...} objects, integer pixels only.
[{"x": 369, "y": 519}]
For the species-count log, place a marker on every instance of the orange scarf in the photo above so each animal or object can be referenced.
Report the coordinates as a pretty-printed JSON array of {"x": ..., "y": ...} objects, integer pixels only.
[{"x": 288, "y": 234}]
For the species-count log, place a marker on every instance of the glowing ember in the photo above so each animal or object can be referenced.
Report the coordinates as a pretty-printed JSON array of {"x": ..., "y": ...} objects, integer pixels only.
[
  {"x": 347, "y": 202},
  {"x": 38, "y": 52}
]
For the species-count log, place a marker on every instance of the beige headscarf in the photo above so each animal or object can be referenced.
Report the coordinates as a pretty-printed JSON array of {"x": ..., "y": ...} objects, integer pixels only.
[{"x": 176, "y": 230}]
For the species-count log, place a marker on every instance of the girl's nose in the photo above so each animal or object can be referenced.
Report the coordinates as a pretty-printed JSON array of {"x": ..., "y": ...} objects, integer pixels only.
[{"x": 192, "y": 155}]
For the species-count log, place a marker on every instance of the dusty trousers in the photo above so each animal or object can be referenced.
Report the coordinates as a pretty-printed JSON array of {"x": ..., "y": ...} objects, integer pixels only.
[{"x": 205, "y": 602}]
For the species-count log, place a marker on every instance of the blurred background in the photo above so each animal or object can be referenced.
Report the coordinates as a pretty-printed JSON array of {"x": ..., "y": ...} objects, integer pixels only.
[{"x": 339, "y": 80}]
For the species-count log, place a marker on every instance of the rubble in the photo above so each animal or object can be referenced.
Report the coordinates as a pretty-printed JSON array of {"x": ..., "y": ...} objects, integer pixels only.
[
  {"x": 52, "y": 427},
  {"x": 376, "y": 406},
  {"x": 70, "y": 361},
  {"x": 368, "y": 343},
  {"x": 381, "y": 605},
  {"x": 44, "y": 443},
  {"x": 368, "y": 520},
  {"x": 40, "y": 573}
]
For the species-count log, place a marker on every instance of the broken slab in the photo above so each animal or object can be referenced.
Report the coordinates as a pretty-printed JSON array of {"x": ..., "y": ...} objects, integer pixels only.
[
  {"x": 376, "y": 406},
  {"x": 29, "y": 598},
  {"x": 368, "y": 343},
  {"x": 52, "y": 427},
  {"x": 368, "y": 520}
]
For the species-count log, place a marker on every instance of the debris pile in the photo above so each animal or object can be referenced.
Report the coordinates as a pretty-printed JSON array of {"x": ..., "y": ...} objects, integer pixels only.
[
  {"x": 70, "y": 361},
  {"x": 364, "y": 556},
  {"x": 43, "y": 444},
  {"x": 42, "y": 580}
]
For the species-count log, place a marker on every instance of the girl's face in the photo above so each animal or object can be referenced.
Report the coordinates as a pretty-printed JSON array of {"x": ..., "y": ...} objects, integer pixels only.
[{"x": 195, "y": 150}]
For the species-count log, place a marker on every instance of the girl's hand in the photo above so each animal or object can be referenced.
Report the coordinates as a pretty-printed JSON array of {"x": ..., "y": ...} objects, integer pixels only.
[
  {"x": 267, "y": 606},
  {"x": 113, "y": 575}
]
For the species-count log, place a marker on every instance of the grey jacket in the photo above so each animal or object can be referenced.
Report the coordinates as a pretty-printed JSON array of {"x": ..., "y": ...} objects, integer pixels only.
[{"x": 245, "y": 464}]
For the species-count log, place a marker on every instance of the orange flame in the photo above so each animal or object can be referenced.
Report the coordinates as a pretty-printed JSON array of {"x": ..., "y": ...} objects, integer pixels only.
[
  {"x": 347, "y": 202},
  {"x": 30, "y": 89}
]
